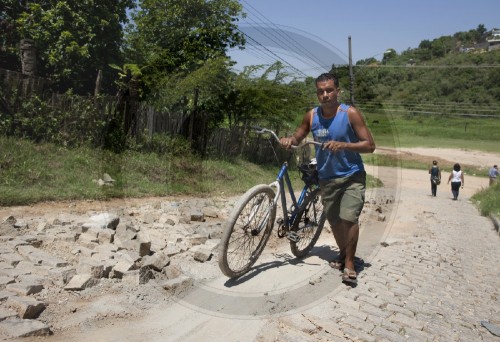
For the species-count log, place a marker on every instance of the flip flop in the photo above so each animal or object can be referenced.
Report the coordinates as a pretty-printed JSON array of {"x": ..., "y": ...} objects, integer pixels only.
[
  {"x": 336, "y": 264},
  {"x": 339, "y": 264},
  {"x": 349, "y": 276}
]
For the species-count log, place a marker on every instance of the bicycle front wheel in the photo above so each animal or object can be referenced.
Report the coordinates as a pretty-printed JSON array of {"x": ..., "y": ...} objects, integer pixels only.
[
  {"x": 308, "y": 224},
  {"x": 247, "y": 231}
]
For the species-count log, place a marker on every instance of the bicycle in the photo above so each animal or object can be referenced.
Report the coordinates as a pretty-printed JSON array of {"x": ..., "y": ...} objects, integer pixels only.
[{"x": 252, "y": 220}]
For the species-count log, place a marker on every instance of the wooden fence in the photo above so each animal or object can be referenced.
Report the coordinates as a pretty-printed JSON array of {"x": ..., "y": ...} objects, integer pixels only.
[{"x": 145, "y": 119}]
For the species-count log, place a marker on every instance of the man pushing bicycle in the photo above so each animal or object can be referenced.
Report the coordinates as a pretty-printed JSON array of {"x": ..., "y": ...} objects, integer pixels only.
[{"x": 344, "y": 134}]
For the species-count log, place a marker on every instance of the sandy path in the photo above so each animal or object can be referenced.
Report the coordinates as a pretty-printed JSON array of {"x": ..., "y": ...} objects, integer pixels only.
[
  {"x": 279, "y": 286},
  {"x": 480, "y": 159}
]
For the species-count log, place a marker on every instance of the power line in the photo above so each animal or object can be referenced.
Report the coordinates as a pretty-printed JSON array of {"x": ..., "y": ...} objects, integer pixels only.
[
  {"x": 472, "y": 66},
  {"x": 272, "y": 53},
  {"x": 442, "y": 114},
  {"x": 287, "y": 37},
  {"x": 444, "y": 105},
  {"x": 272, "y": 39}
]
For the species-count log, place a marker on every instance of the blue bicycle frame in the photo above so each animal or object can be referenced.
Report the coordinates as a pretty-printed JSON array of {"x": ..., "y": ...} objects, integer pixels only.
[{"x": 282, "y": 179}]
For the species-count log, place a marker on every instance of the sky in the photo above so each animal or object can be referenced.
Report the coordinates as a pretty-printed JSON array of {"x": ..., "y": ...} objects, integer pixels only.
[{"x": 309, "y": 35}]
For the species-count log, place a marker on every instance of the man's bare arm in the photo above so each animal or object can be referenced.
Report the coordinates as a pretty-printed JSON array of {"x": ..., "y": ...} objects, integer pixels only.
[
  {"x": 300, "y": 133},
  {"x": 366, "y": 144}
]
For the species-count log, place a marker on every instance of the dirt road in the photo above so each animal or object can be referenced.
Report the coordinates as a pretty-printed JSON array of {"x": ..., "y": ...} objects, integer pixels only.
[{"x": 285, "y": 299}]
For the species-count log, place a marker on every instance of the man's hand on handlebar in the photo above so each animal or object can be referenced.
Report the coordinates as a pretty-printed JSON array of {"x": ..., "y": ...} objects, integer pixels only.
[
  {"x": 287, "y": 142},
  {"x": 335, "y": 146}
]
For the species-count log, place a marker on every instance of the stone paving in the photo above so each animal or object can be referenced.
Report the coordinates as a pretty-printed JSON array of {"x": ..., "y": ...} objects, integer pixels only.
[{"x": 434, "y": 282}]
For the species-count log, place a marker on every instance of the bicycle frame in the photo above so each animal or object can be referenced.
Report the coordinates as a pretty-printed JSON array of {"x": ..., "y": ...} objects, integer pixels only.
[
  {"x": 282, "y": 180},
  {"x": 251, "y": 222}
]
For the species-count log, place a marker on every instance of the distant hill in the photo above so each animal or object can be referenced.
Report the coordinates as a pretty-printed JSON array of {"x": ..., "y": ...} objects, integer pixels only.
[{"x": 475, "y": 40}]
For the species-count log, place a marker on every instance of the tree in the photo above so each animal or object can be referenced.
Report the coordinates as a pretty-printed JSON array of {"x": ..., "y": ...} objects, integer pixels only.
[
  {"x": 441, "y": 46},
  {"x": 180, "y": 35},
  {"x": 367, "y": 61},
  {"x": 481, "y": 33},
  {"x": 389, "y": 54},
  {"x": 74, "y": 38}
]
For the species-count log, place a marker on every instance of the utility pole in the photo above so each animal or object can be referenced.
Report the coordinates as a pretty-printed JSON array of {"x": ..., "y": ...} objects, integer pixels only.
[{"x": 351, "y": 74}]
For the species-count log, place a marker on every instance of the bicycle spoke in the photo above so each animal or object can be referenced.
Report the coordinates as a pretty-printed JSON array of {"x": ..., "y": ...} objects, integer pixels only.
[
  {"x": 250, "y": 230},
  {"x": 309, "y": 225}
]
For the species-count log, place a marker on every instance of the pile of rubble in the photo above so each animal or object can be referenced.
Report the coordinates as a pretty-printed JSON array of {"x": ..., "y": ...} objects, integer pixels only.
[{"x": 70, "y": 252}]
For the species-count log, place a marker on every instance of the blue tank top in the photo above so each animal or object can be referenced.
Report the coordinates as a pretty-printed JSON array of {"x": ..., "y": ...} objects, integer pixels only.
[{"x": 342, "y": 163}]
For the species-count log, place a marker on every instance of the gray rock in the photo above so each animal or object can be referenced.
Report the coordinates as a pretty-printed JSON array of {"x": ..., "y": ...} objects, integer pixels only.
[
  {"x": 121, "y": 268},
  {"x": 6, "y": 314},
  {"x": 80, "y": 282},
  {"x": 24, "y": 289},
  {"x": 108, "y": 220},
  {"x": 177, "y": 283},
  {"x": 15, "y": 328},
  {"x": 197, "y": 239},
  {"x": 26, "y": 307},
  {"x": 197, "y": 216},
  {"x": 157, "y": 261},
  {"x": 144, "y": 241},
  {"x": 202, "y": 253}
]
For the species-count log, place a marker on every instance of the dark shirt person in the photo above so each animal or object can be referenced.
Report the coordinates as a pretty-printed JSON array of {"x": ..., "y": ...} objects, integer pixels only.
[{"x": 435, "y": 173}]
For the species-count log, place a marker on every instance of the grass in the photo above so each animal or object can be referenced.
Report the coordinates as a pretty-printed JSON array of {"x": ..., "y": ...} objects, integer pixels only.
[
  {"x": 31, "y": 173},
  {"x": 488, "y": 200},
  {"x": 442, "y": 131},
  {"x": 421, "y": 163}
]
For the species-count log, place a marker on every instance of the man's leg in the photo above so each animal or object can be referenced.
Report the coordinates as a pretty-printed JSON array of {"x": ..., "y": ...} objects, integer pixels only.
[
  {"x": 351, "y": 233},
  {"x": 340, "y": 237}
]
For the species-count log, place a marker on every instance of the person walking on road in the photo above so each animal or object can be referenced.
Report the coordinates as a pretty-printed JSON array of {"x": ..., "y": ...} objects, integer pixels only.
[
  {"x": 435, "y": 173},
  {"x": 493, "y": 173},
  {"x": 344, "y": 134},
  {"x": 457, "y": 180}
]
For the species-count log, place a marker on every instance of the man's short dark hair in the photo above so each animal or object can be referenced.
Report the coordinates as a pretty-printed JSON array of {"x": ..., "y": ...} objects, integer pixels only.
[{"x": 327, "y": 77}]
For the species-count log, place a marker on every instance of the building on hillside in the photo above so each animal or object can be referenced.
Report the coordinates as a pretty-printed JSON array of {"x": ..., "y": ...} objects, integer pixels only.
[{"x": 494, "y": 42}]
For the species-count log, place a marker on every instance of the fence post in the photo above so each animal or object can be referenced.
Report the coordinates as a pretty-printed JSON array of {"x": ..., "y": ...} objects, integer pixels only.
[
  {"x": 97, "y": 89},
  {"x": 28, "y": 57}
]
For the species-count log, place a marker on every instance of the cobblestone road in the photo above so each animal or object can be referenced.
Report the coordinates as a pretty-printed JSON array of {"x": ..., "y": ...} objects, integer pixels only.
[{"x": 436, "y": 279}]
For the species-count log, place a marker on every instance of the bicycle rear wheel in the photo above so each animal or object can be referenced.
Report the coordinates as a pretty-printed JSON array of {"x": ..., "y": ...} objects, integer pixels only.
[
  {"x": 307, "y": 227},
  {"x": 247, "y": 231}
]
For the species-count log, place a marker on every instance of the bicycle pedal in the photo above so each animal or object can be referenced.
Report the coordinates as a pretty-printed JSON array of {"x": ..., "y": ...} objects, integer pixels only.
[{"x": 293, "y": 236}]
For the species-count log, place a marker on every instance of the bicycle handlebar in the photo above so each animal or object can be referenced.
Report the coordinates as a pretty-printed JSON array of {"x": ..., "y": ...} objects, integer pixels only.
[{"x": 261, "y": 130}]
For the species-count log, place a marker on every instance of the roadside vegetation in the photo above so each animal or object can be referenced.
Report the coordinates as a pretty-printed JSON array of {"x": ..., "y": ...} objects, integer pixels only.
[{"x": 31, "y": 173}]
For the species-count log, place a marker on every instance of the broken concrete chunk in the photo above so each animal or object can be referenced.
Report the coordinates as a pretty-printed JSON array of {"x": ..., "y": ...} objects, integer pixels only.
[
  {"x": 81, "y": 282},
  {"x": 121, "y": 268},
  {"x": 197, "y": 216},
  {"x": 24, "y": 289},
  {"x": 177, "y": 283},
  {"x": 156, "y": 261},
  {"x": 16, "y": 328},
  {"x": 201, "y": 253},
  {"x": 26, "y": 307},
  {"x": 144, "y": 243},
  {"x": 105, "y": 219}
]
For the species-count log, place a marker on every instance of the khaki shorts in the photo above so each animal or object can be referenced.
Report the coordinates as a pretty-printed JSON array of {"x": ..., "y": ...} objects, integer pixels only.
[{"x": 344, "y": 197}]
